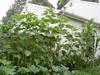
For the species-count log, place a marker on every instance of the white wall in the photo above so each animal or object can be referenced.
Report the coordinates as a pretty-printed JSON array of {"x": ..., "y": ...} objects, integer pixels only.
[{"x": 75, "y": 23}]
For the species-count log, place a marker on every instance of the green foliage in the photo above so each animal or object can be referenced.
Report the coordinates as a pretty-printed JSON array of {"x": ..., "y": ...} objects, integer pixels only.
[
  {"x": 7, "y": 70},
  {"x": 44, "y": 46},
  {"x": 88, "y": 41},
  {"x": 91, "y": 71}
]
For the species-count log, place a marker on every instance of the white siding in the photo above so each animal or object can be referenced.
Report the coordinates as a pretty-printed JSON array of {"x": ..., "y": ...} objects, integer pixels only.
[
  {"x": 87, "y": 10},
  {"x": 33, "y": 8}
]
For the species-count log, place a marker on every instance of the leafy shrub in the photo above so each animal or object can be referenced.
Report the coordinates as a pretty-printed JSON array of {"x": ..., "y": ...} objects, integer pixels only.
[{"x": 42, "y": 46}]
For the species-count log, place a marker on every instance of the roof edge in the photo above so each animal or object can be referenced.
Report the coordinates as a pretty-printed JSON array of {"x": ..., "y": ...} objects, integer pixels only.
[{"x": 78, "y": 18}]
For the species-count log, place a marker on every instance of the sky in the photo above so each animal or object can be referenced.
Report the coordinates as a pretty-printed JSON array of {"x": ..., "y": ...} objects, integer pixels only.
[
  {"x": 53, "y": 2},
  {"x": 4, "y": 6}
]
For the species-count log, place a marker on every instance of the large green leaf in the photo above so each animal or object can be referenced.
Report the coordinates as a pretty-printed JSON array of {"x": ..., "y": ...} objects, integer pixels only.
[
  {"x": 27, "y": 53},
  {"x": 33, "y": 68},
  {"x": 5, "y": 62},
  {"x": 8, "y": 70}
]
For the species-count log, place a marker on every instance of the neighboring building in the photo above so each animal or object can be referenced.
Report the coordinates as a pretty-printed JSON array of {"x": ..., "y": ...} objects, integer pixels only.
[{"x": 36, "y": 9}]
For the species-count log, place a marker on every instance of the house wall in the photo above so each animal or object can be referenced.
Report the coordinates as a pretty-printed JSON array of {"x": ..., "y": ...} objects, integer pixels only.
[
  {"x": 79, "y": 24},
  {"x": 75, "y": 23}
]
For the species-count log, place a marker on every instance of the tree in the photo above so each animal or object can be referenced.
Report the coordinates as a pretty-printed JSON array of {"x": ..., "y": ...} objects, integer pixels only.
[
  {"x": 15, "y": 9},
  {"x": 61, "y": 3}
]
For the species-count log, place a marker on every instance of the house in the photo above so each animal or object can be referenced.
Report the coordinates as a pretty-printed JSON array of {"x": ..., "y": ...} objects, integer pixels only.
[{"x": 79, "y": 11}]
